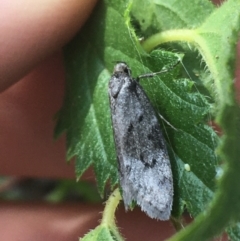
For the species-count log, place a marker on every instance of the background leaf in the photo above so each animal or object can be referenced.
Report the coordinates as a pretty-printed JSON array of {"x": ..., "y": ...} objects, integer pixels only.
[{"x": 164, "y": 15}]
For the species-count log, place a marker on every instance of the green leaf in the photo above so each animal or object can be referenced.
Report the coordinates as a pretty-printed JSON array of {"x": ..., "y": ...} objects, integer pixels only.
[
  {"x": 215, "y": 38},
  {"x": 234, "y": 232},
  {"x": 85, "y": 116}
]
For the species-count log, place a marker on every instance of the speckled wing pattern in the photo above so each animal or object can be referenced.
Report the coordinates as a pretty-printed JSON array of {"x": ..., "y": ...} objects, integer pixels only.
[{"x": 144, "y": 167}]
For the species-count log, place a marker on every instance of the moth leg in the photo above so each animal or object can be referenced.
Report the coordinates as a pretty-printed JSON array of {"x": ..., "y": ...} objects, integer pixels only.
[
  {"x": 167, "y": 122},
  {"x": 150, "y": 75}
]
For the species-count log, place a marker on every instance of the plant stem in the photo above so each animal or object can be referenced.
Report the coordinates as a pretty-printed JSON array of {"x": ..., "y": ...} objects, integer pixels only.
[{"x": 110, "y": 208}]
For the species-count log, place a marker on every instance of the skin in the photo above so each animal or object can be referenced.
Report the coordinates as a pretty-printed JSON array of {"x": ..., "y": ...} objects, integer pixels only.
[
  {"x": 32, "y": 83},
  {"x": 32, "y": 90}
]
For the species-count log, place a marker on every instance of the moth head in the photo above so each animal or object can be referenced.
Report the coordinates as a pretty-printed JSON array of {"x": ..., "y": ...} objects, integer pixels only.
[{"x": 122, "y": 68}]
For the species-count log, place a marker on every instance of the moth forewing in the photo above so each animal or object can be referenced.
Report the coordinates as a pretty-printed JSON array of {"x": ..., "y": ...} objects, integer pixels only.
[{"x": 144, "y": 168}]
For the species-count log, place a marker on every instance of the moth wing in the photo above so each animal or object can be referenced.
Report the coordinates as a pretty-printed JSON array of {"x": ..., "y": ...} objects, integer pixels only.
[{"x": 145, "y": 171}]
